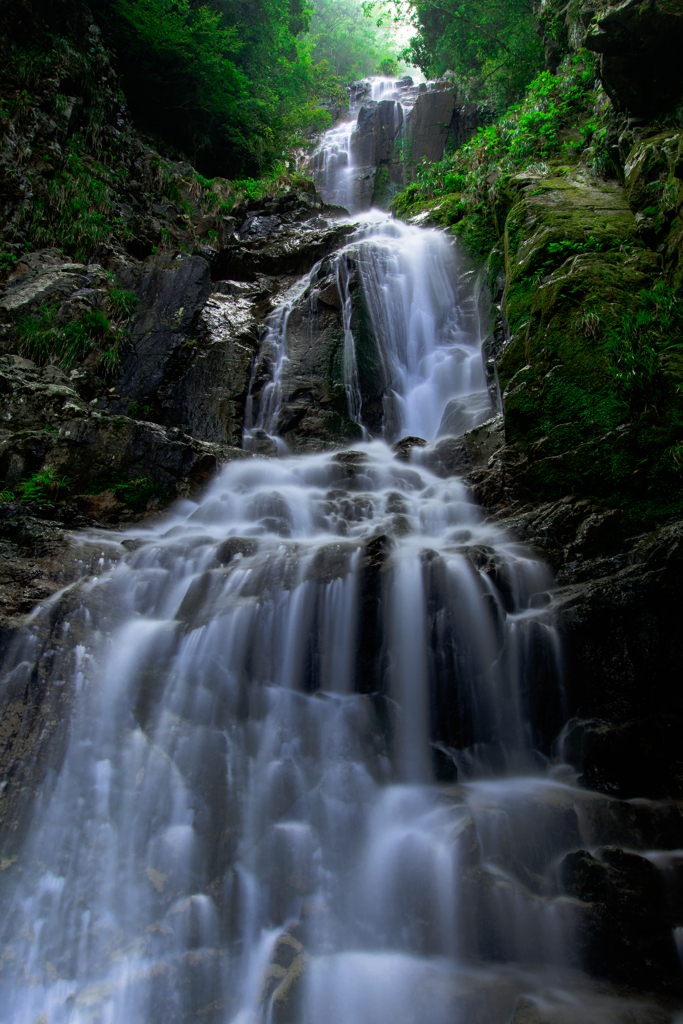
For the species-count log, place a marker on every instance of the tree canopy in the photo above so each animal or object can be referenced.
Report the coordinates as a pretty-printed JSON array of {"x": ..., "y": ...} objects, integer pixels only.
[
  {"x": 491, "y": 46},
  {"x": 235, "y": 84},
  {"x": 229, "y": 83},
  {"x": 352, "y": 43}
]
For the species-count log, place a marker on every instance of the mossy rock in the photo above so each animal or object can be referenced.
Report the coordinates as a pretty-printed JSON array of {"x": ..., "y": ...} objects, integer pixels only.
[
  {"x": 575, "y": 264},
  {"x": 556, "y": 216},
  {"x": 654, "y": 184}
]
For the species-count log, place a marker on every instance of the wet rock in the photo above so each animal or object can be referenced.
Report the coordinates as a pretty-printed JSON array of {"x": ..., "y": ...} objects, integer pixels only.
[
  {"x": 282, "y": 987},
  {"x": 549, "y": 1008},
  {"x": 331, "y": 563},
  {"x": 458, "y": 456},
  {"x": 33, "y": 398},
  {"x": 244, "y": 546},
  {"x": 371, "y": 643},
  {"x": 173, "y": 290},
  {"x": 294, "y": 251},
  {"x": 640, "y": 46},
  {"x": 185, "y": 986},
  {"x": 87, "y": 448},
  {"x": 624, "y": 929},
  {"x": 45, "y": 284},
  {"x": 258, "y": 442},
  {"x": 376, "y": 131},
  {"x": 350, "y": 463},
  {"x": 584, "y": 877},
  {"x": 206, "y": 381},
  {"x": 428, "y": 126},
  {"x": 314, "y": 412},
  {"x": 403, "y": 449},
  {"x": 38, "y": 556}
]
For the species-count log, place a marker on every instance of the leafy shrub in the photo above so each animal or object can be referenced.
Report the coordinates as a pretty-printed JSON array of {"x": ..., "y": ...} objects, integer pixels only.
[
  {"x": 76, "y": 213},
  {"x": 41, "y": 339},
  {"x": 389, "y": 67},
  {"x": 133, "y": 492},
  {"x": 7, "y": 263},
  {"x": 122, "y": 302},
  {"x": 44, "y": 486}
]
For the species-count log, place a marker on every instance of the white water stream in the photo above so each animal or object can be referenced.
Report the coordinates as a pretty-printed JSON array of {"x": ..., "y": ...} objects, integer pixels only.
[{"x": 303, "y": 710}]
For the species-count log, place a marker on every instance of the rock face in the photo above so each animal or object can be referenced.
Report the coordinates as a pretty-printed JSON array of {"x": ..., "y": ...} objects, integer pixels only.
[
  {"x": 638, "y": 46},
  {"x": 389, "y": 138},
  {"x": 314, "y": 411},
  {"x": 429, "y": 126},
  {"x": 577, "y": 240},
  {"x": 376, "y": 132}
]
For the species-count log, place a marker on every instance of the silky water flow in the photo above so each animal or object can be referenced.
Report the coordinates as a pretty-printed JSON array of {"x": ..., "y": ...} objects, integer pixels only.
[{"x": 298, "y": 770}]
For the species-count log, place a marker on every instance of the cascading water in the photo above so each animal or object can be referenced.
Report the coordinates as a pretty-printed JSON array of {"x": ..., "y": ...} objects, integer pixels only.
[
  {"x": 343, "y": 153},
  {"x": 427, "y": 335},
  {"x": 303, "y": 770}
]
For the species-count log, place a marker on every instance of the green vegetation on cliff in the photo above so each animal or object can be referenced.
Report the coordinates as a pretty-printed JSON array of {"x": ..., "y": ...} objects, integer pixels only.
[{"x": 577, "y": 214}]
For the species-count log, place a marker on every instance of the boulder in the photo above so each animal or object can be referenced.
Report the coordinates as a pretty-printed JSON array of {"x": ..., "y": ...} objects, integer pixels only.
[
  {"x": 624, "y": 926},
  {"x": 172, "y": 291},
  {"x": 428, "y": 128},
  {"x": 376, "y": 132},
  {"x": 640, "y": 46},
  {"x": 282, "y": 986},
  {"x": 49, "y": 428},
  {"x": 293, "y": 251},
  {"x": 205, "y": 387}
]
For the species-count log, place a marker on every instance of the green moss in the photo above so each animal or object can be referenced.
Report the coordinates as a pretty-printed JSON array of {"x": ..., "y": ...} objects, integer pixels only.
[
  {"x": 592, "y": 376},
  {"x": 381, "y": 187}
]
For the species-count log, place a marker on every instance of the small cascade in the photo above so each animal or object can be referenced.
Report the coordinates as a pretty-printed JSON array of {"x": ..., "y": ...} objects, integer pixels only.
[
  {"x": 413, "y": 331},
  {"x": 260, "y": 708},
  {"x": 262, "y": 418},
  {"x": 348, "y": 153}
]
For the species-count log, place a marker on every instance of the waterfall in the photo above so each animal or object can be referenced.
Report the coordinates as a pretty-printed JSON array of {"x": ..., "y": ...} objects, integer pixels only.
[
  {"x": 263, "y": 691},
  {"x": 348, "y": 154},
  {"x": 301, "y": 764},
  {"x": 420, "y": 340}
]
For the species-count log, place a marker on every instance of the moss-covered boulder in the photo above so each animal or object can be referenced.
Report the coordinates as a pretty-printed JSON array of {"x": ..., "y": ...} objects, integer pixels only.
[
  {"x": 571, "y": 255},
  {"x": 654, "y": 183},
  {"x": 576, "y": 266}
]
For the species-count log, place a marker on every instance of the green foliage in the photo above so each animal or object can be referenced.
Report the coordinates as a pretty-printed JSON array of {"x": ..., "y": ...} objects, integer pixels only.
[
  {"x": 491, "y": 46},
  {"x": 139, "y": 410},
  {"x": 42, "y": 339},
  {"x": 223, "y": 81},
  {"x": 350, "y": 42},
  {"x": 44, "y": 486},
  {"x": 123, "y": 303},
  {"x": 638, "y": 345},
  {"x": 7, "y": 263},
  {"x": 389, "y": 68},
  {"x": 76, "y": 212},
  {"x": 461, "y": 190}
]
